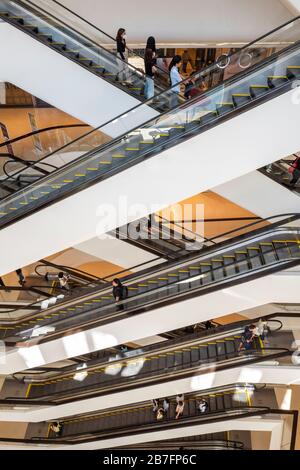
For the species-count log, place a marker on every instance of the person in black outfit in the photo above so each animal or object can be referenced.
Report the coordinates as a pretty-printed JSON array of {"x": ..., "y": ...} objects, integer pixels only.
[
  {"x": 149, "y": 71},
  {"x": 296, "y": 172},
  {"x": 151, "y": 44},
  {"x": 119, "y": 292},
  {"x": 21, "y": 277},
  {"x": 122, "y": 53},
  {"x": 247, "y": 338}
]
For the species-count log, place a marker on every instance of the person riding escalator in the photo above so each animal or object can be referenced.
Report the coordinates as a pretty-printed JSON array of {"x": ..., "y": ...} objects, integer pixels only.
[
  {"x": 295, "y": 171},
  {"x": 120, "y": 292}
]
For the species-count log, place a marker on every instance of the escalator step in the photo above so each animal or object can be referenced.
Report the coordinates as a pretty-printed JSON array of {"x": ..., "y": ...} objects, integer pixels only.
[
  {"x": 227, "y": 401},
  {"x": 154, "y": 364},
  {"x": 237, "y": 341},
  {"x": 277, "y": 80},
  {"x": 224, "y": 108},
  {"x": 195, "y": 356},
  {"x": 293, "y": 71},
  {"x": 186, "y": 357},
  {"x": 209, "y": 117},
  {"x": 268, "y": 252},
  {"x": 220, "y": 402},
  {"x": 230, "y": 346},
  {"x": 130, "y": 418},
  {"x": 206, "y": 269},
  {"x": 231, "y": 400},
  {"x": 242, "y": 261},
  {"x": 239, "y": 99},
  {"x": 172, "y": 410},
  {"x": 258, "y": 90},
  {"x": 162, "y": 362},
  {"x": 178, "y": 359},
  {"x": 217, "y": 268},
  {"x": 203, "y": 353},
  {"x": 294, "y": 249},
  {"x": 221, "y": 349},
  {"x": 170, "y": 360},
  {"x": 254, "y": 257},
  {"x": 30, "y": 27},
  {"x": 212, "y": 403},
  {"x": 229, "y": 265},
  {"x": 150, "y": 415},
  {"x": 212, "y": 350},
  {"x": 192, "y": 408},
  {"x": 282, "y": 250}
]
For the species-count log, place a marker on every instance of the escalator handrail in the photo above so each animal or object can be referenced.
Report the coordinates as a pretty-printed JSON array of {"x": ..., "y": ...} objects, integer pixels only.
[
  {"x": 69, "y": 269},
  {"x": 26, "y": 163},
  {"x": 205, "y": 94},
  {"x": 40, "y": 131},
  {"x": 222, "y": 443},
  {"x": 168, "y": 265}
]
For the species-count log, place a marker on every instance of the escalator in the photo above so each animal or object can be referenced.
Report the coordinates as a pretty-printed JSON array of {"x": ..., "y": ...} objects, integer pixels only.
[
  {"x": 262, "y": 251},
  {"x": 255, "y": 83},
  {"x": 280, "y": 172},
  {"x": 175, "y": 359},
  {"x": 224, "y": 403},
  {"x": 84, "y": 44}
]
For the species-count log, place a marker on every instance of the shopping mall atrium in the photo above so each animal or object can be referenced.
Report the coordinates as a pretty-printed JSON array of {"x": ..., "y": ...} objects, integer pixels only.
[{"x": 150, "y": 225}]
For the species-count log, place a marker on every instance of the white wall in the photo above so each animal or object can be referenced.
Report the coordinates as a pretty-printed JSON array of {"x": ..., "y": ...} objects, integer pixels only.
[
  {"x": 200, "y": 21},
  {"x": 282, "y": 288},
  {"x": 48, "y": 75},
  {"x": 204, "y": 161},
  {"x": 259, "y": 194}
]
